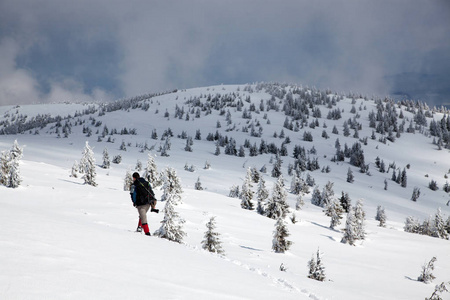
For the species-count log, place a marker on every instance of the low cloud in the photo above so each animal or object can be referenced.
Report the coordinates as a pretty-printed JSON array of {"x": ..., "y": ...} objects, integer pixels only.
[{"x": 101, "y": 50}]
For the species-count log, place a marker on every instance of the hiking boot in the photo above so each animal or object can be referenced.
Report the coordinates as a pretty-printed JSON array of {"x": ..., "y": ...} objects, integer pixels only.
[
  {"x": 139, "y": 229},
  {"x": 148, "y": 233},
  {"x": 154, "y": 210}
]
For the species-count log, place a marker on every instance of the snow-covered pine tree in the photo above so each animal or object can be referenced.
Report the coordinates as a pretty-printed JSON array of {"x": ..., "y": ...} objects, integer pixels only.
[
  {"x": 345, "y": 202},
  {"x": 171, "y": 187},
  {"x": 360, "y": 216},
  {"x": 426, "y": 276},
  {"x": 198, "y": 185},
  {"x": 403, "y": 179},
  {"x": 350, "y": 176},
  {"x": 211, "y": 240},
  {"x": 9, "y": 166},
  {"x": 327, "y": 194},
  {"x": 261, "y": 195},
  {"x": 138, "y": 165},
  {"x": 415, "y": 194},
  {"x": 171, "y": 225},
  {"x": 439, "y": 229},
  {"x": 296, "y": 184},
  {"x": 316, "y": 268},
  {"x": 87, "y": 166},
  {"x": 4, "y": 167},
  {"x": 350, "y": 234},
  {"x": 246, "y": 191},
  {"x": 106, "y": 162},
  {"x": 381, "y": 216},
  {"x": 276, "y": 205},
  {"x": 15, "y": 155},
  {"x": 279, "y": 243},
  {"x": 299, "y": 203},
  {"x": 276, "y": 171},
  {"x": 128, "y": 181},
  {"x": 316, "y": 198},
  {"x": 151, "y": 172},
  {"x": 334, "y": 210}
]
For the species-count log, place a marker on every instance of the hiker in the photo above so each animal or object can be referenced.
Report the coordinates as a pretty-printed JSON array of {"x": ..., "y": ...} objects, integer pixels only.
[{"x": 143, "y": 198}]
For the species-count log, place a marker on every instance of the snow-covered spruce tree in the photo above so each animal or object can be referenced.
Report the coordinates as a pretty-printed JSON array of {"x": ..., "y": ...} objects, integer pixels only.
[
  {"x": 246, "y": 192},
  {"x": 415, "y": 194},
  {"x": 299, "y": 203},
  {"x": 171, "y": 225},
  {"x": 234, "y": 192},
  {"x": 276, "y": 205},
  {"x": 198, "y": 185},
  {"x": 360, "y": 216},
  {"x": 128, "y": 181},
  {"x": 189, "y": 143},
  {"x": 350, "y": 176},
  {"x": 211, "y": 240},
  {"x": 412, "y": 225},
  {"x": 261, "y": 195},
  {"x": 279, "y": 243},
  {"x": 327, "y": 194},
  {"x": 171, "y": 187},
  {"x": 345, "y": 201},
  {"x": 403, "y": 179},
  {"x": 316, "y": 198},
  {"x": 138, "y": 165},
  {"x": 316, "y": 268},
  {"x": 297, "y": 184},
  {"x": 334, "y": 210},
  {"x": 350, "y": 234},
  {"x": 151, "y": 172},
  {"x": 381, "y": 216},
  {"x": 426, "y": 276},
  {"x": 276, "y": 171},
  {"x": 439, "y": 229},
  {"x": 106, "y": 162},
  {"x": 9, "y": 166},
  {"x": 4, "y": 167},
  {"x": 87, "y": 166}
]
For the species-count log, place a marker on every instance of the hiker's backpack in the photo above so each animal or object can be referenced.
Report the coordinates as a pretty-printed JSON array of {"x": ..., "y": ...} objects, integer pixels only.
[{"x": 144, "y": 192}]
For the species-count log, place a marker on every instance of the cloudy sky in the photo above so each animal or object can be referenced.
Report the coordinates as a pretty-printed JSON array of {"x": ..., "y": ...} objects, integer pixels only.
[{"x": 56, "y": 50}]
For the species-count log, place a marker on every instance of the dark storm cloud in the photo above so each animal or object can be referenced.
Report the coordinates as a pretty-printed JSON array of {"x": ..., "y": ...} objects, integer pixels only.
[{"x": 58, "y": 50}]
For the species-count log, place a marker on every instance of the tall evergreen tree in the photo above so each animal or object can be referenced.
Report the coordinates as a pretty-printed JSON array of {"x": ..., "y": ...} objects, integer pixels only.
[
  {"x": 345, "y": 202},
  {"x": 334, "y": 210},
  {"x": 171, "y": 187},
  {"x": 350, "y": 176},
  {"x": 381, "y": 216},
  {"x": 360, "y": 216},
  {"x": 106, "y": 161},
  {"x": 128, "y": 181},
  {"x": 277, "y": 206},
  {"x": 279, "y": 243},
  {"x": 246, "y": 192},
  {"x": 171, "y": 225},
  {"x": 87, "y": 166},
  {"x": 211, "y": 240},
  {"x": 350, "y": 233},
  {"x": 439, "y": 226},
  {"x": 261, "y": 195},
  {"x": 151, "y": 172}
]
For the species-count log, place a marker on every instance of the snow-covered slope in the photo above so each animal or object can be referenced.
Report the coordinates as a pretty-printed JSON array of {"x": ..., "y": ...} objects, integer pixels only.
[{"x": 62, "y": 239}]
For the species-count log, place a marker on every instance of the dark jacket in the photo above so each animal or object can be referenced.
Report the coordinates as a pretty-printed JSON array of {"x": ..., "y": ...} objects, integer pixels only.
[{"x": 141, "y": 192}]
